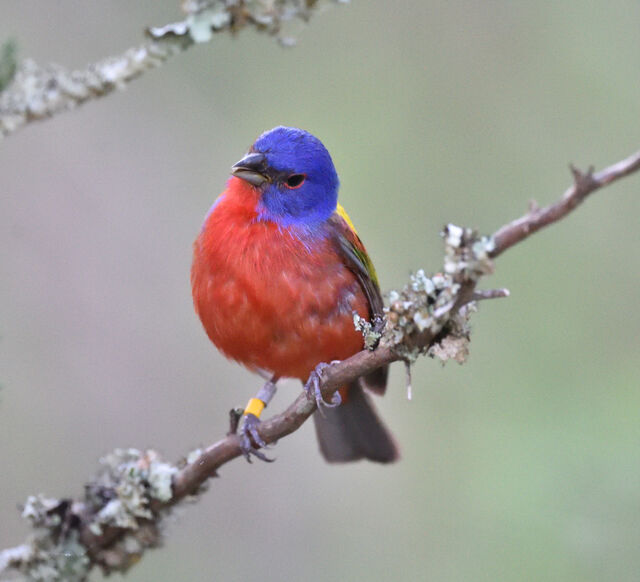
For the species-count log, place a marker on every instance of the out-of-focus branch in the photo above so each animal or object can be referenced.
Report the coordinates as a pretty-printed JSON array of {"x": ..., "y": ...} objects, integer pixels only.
[
  {"x": 38, "y": 92},
  {"x": 8, "y": 64},
  {"x": 119, "y": 516}
]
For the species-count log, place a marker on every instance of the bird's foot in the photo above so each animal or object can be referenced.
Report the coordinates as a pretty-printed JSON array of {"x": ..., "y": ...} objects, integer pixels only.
[
  {"x": 250, "y": 440},
  {"x": 312, "y": 387}
]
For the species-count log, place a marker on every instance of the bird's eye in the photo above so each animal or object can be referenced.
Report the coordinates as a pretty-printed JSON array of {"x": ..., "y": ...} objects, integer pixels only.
[{"x": 295, "y": 181}]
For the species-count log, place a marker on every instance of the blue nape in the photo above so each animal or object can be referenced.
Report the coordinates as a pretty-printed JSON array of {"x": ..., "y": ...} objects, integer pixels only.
[{"x": 292, "y": 151}]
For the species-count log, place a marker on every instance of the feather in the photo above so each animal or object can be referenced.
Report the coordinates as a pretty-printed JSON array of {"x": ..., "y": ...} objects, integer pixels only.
[{"x": 356, "y": 259}]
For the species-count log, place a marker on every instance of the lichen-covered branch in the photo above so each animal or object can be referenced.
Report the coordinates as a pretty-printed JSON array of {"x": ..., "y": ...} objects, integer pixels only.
[
  {"x": 34, "y": 92},
  {"x": 119, "y": 515}
]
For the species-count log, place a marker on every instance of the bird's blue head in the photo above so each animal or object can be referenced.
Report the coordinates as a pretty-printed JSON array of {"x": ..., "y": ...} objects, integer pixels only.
[{"x": 295, "y": 176}]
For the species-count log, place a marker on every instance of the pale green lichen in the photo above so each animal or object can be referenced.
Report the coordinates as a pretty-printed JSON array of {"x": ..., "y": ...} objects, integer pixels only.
[
  {"x": 466, "y": 254},
  {"x": 67, "y": 562},
  {"x": 134, "y": 478},
  {"x": 420, "y": 282},
  {"x": 53, "y": 552},
  {"x": 193, "y": 456},
  {"x": 40, "y": 511},
  {"x": 370, "y": 335},
  {"x": 426, "y": 304},
  {"x": 451, "y": 348},
  {"x": 422, "y": 305},
  {"x": 202, "y": 25},
  {"x": 160, "y": 479},
  {"x": 204, "y": 18},
  {"x": 122, "y": 495},
  {"x": 455, "y": 344}
]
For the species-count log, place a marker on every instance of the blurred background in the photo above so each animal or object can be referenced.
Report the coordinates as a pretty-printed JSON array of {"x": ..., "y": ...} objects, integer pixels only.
[{"x": 524, "y": 464}]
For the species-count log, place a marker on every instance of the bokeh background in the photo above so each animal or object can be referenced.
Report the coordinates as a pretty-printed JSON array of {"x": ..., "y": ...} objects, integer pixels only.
[{"x": 524, "y": 464}]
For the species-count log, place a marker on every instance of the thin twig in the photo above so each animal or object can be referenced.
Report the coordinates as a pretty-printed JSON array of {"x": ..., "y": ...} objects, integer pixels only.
[{"x": 480, "y": 295}]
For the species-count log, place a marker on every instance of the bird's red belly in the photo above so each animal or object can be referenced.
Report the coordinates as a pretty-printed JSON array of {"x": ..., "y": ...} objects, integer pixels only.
[{"x": 271, "y": 302}]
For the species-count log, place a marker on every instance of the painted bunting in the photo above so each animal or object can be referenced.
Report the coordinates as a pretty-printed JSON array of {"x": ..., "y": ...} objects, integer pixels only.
[{"x": 278, "y": 272}]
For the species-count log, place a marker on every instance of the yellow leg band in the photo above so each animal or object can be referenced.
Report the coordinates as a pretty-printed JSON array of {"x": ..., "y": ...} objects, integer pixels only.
[{"x": 255, "y": 407}]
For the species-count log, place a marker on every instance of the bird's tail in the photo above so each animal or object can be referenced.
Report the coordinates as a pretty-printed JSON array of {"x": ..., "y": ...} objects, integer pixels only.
[{"x": 353, "y": 431}]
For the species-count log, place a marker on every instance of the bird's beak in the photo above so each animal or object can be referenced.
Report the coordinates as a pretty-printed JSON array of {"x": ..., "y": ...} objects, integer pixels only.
[{"x": 252, "y": 168}]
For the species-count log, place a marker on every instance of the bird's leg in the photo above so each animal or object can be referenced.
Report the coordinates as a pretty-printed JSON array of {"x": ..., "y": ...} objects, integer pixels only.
[
  {"x": 312, "y": 387},
  {"x": 250, "y": 440}
]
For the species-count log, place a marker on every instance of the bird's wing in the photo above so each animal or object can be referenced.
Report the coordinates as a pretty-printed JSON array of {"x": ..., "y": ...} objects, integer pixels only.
[{"x": 355, "y": 257}]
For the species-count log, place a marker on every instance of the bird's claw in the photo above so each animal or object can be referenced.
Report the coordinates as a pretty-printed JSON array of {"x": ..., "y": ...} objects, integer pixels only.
[
  {"x": 235, "y": 414},
  {"x": 312, "y": 388},
  {"x": 250, "y": 439}
]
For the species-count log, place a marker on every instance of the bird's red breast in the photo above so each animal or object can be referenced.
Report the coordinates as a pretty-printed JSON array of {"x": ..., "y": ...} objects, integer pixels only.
[{"x": 269, "y": 297}]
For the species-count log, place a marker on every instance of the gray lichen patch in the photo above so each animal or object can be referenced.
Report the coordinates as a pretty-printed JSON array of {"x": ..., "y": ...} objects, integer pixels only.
[
  {"x": 130, "y": 479},
  {"x": 431, "y": 304},
  {"x": 370, "y": 335},
  {"x": 466, "y": 254},
  {"x": 455, "y": 344},
  {"x": 67, "y": 561},
  {"x": 206, "y": 17},
  {"x": 53, "y": 552},
  {"x": 128, "y": 493}
]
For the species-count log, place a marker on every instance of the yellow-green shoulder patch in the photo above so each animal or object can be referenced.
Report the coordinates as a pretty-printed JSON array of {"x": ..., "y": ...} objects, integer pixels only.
[{"x": 343, "y": 214}]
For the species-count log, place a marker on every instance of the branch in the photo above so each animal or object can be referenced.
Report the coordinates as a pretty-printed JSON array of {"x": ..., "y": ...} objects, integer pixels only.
[
  {"x": 583, "y": 185},
  {"x": 39, "y": 92},
  {"x": 123, "y": 506}
]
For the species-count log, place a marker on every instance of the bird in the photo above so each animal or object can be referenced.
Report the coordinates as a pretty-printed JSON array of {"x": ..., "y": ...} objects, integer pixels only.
[{"x": 278, "y": 273}]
